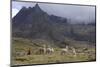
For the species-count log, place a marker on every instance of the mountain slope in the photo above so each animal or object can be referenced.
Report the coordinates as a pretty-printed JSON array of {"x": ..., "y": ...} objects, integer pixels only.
[{"x": 34, "y": 23}]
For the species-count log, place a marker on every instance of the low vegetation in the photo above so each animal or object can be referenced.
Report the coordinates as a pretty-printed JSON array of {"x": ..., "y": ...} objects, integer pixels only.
[{"x": 22, "y": 46}]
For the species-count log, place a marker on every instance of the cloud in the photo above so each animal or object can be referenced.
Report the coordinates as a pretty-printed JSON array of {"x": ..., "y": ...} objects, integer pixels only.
[
  {"x": 75, "y": 12},
  {"x": 14, "y": 12}
]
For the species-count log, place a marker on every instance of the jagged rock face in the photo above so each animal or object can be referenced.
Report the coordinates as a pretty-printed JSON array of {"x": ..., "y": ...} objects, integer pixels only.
[{"x": 33, "y": 22}]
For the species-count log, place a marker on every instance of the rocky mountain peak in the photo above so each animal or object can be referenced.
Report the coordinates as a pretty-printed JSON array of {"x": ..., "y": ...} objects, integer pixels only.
[{"x": 37, "y": 8}]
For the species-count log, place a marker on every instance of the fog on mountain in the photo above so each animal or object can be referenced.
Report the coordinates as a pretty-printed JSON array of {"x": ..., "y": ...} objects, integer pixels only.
[{"x": 34, "y": 23}]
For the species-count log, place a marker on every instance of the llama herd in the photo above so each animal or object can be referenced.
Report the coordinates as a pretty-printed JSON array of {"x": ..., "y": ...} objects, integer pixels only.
[
  {"x": 46, "y": 50},
  {"x": 63, "y": 51},
  {"x": 49, "y": 50},
  {"x": 66, "y": 51}
]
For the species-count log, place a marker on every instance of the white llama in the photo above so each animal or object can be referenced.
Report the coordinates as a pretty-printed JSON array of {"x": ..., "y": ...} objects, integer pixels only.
[
  {"x": 74, "y": 51},
  {"x": 64, "y": 50},
  {"x": 49, "y": 50},
  {"x": 42, "y": 50}
]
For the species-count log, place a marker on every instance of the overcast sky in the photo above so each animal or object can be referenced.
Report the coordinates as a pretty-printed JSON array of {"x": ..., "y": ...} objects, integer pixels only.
[{"x": 75, "y": 12}]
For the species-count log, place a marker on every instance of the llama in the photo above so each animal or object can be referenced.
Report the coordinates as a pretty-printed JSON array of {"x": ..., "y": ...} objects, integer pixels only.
[
  {"x": 42, "y": 50},
  {"x": 64, "y": 50},
  {"x": 29, "y": 51},
  {"x": 74, "y": 51},
  {"x": 49, "y": 50}
]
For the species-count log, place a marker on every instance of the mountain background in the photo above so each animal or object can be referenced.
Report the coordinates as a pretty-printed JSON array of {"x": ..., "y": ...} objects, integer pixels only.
[{"x": 34, "y": 23}]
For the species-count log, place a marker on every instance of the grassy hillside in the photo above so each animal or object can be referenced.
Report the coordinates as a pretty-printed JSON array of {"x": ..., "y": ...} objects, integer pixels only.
[{"x": 22, "y": 45}]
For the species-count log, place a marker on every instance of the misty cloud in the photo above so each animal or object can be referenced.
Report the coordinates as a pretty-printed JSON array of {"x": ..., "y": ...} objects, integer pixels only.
[{"x": 75, "y": 12}]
